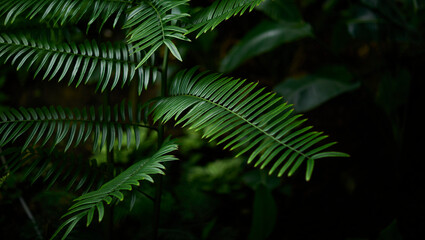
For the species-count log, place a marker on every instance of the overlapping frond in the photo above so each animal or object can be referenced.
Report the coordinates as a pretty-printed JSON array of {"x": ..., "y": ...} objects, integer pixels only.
[
  {"x": 72, "y": 127},
  {"x": 153, "y": 24},
  {"x": 209, "y": 17},
  {"x": 63, "y": 11},
  {"x": 87, "y": 204},
  {"x": 33, "y": 28},
  {"x": 69, "y": 169},
  {"x": 241, "y": 116},
  {"x": 114, "y": 63}
]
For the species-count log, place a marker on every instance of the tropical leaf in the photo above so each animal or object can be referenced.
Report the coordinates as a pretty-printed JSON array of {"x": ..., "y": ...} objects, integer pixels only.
[
  {"x": 114, "y": 63},
  {"x": 63, "y": 11},
  {"x": 209, "y": 17},
  {"x": 243, "y": 117},
  {"x": 264, "y": 37},
  {"x": 152, "y": 24},
  {"x": 283, "y": 11},
  {"x": 264, "y": 213},
  {"x": 69, "y": 169},
  {"x": 33, "y": 28},
  {"x": 72, "y": 127},
  {"x": 285, "y": 25},
  {"x": 87, "y": 204},
  {"x": 310, "y": 91}
]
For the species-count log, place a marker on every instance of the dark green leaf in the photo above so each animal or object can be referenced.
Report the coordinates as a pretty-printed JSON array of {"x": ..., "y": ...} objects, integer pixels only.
[
  {"x": 264, "y": 37},
  {"x": 313, "y": 90}
]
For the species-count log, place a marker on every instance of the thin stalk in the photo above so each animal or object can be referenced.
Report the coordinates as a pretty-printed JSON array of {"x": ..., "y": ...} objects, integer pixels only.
[
  {"x": 31, "y": 217},
  {"x": 109, "y": 154},
  {"x": 146, "y": 195},
  {"x": 25, "y": 205},
  {"x": 158, "y": 190},
  {"x": 110, "y": 171},
  {"x": 164, "y": 77}
]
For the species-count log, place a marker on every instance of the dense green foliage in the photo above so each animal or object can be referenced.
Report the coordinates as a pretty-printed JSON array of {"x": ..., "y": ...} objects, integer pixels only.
[
  {"x": 133, "y": 61},
  {"x": 231, "y": 111}
]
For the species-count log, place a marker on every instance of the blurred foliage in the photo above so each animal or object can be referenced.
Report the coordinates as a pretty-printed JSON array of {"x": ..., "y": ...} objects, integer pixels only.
[
  {"x": 3, "y": 96},
  {"x": 391, "y": 232},
  {"x": 359, "y": 63},
  {"x": 286, "y": 25},
  {"x": 310, "y": 91}
]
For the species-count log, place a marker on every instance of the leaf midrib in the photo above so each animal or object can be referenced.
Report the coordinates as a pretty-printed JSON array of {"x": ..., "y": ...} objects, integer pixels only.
[
  {"x": 248, "y": 122},
  {"x": 158, "y": 15},
  {"x": 69, "y": 53},
  {"x": 133, "y": 124}
]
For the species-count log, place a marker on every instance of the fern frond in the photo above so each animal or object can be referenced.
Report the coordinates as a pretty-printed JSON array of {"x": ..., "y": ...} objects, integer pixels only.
[
  {"x": 69, "y": 169},
  {"x": 87, "y": 204},
  {"x": 243, "y": 117},
  {"x": 114, "y": 63},
  {"x": 63, "y": 11},
  {"x": 209, "y": 17},
  {"x": 34, "y": 28},
  {"x": 72, "y": 127},
  {"x": 152, "y": 25}
]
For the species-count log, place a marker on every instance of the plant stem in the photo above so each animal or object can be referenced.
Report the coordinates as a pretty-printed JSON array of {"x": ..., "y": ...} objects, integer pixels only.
[
  {"x": 164, "y": 77},
  {"x": 110, "y": 175},
  {"x": 158, "y": 190},
  {"x": 25, "y": 205},
  {"x": 157, "y": 206},
  {"x": 31, "y": 217}
]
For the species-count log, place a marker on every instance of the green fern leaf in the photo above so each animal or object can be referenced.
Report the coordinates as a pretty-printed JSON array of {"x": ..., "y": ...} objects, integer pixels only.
[
  {"x": 70, "y": 126},
  {"x": 39, "y": 163},
  {"x": 243, "y": 117},
  {"x": 114, "y": 63},
  {"x": 33, "y": 29},
  {"x": 63, "y": 11},
  {"x": 221, "y": 10},
  {"x": 153, "y": 25},
  {"x": 87, "y": 204}
]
